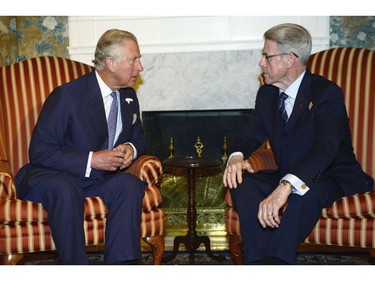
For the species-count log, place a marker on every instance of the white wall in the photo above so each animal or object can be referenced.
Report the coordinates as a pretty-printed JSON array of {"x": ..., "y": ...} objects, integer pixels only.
[
  {"x": 193, "y": 62},
  {"x": 188, "y": 34}
]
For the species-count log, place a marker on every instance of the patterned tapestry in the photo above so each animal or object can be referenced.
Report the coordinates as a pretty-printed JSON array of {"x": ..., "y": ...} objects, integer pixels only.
[
  {"x": 352, "y": 32},
  {"x": 23, "y": 37}
]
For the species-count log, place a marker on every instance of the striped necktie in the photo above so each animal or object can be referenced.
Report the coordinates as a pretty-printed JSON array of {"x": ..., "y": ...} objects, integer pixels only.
[
  {"x": 284, "y": 114},
  {"x": 112, "y": 121}
]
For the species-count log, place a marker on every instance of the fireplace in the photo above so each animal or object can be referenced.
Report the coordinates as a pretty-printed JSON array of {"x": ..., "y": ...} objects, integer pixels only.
[
  {"x": 211, "y": 126},
  {"x": 184, "y": 127}
]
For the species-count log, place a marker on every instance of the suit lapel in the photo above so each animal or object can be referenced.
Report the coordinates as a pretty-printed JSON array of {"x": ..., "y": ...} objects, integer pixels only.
[
  {"x": 126, "y": 103},
  {"x": 277, "y": 117},
  {"x": 302, "y": 100},
  {"x": 126, "y": 113},
  {"x": 95, "y": 107}
]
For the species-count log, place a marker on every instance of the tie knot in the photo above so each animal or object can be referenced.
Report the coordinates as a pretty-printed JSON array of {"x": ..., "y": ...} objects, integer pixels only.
[
  {"x": 283, "y": 96},
  {"x": 282, "y": 109},
  {"x": 114, "y": 95}
]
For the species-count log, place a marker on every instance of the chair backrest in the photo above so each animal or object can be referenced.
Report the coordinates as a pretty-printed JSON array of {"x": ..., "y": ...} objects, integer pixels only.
[
  {"x": 353, "y": 69},
  {"x": 24, "y": 87}
]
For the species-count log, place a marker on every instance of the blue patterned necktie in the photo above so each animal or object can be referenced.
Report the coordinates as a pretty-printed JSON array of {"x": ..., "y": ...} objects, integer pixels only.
[
  {"x": 284, "y": 114},
  {"x": 112, "y": 121}
]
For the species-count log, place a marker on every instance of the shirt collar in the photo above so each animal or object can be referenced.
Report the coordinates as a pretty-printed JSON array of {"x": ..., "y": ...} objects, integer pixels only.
[
  {"x": 104, "y": 89},
  {"x": 292, "y": 90}
]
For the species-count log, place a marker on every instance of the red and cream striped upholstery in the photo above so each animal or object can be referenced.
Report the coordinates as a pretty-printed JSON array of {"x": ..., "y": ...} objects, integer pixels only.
[
  {"x": 350, "y": 221},
  {"x": 23, "y": 224}
]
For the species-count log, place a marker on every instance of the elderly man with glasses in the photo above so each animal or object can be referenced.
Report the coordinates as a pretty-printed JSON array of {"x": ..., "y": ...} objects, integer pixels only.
[{"x": 303, "y": 116}]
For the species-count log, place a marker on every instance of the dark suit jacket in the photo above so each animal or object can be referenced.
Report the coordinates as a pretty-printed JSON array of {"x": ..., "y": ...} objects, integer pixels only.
[
  {"x": 72, "y": 123},
  {"x": 317, "y": 136}
]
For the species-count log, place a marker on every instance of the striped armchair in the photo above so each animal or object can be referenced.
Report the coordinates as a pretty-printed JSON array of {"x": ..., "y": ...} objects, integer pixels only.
[
  {"x": 350, "y": 221},
  {"x": 23, "y": 224}
]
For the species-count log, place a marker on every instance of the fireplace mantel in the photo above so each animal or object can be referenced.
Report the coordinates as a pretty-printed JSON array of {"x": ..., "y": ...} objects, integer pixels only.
[
  {"x": 193, "y": 62},
  {"x": 185, "y": 34}
]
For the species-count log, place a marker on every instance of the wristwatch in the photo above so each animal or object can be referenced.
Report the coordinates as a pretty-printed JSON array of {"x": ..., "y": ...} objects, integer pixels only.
[{"x": 284, "y": 182}]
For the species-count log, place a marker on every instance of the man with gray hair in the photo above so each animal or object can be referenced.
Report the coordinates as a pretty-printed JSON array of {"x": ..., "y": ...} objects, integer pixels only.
[
  {"x": 89, "y": 130},
  {"x": 304, "y": 119}
]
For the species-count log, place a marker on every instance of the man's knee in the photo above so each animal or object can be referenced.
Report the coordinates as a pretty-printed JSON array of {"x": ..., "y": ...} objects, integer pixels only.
[{"x": 126, "y": 186}]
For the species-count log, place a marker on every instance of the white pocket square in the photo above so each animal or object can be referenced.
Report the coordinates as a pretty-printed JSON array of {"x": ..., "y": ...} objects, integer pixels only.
[
  {"x": 128, "y": 100},
  {"x": 134, "y": 118}
]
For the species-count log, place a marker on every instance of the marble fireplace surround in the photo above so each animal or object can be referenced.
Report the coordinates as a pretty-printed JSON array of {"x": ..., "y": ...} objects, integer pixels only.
[{"x": 199, "y": 81}]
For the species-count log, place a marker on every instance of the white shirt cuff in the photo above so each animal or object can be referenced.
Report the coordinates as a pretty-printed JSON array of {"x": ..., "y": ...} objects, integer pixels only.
[
  {"x": 234, "y": 154},
  {"x": 299, "y": 187},
  {"x": 134, "y": 149},
  {"x": 88, "y": 166}
]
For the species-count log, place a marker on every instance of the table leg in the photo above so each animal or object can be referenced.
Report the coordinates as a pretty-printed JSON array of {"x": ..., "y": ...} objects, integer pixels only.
[
  {"x": 206, "y": 241},
  {"x": 192, "y": 214},
  {"x": 191, "y": 240},
  {"x": 176, "y": 244}
]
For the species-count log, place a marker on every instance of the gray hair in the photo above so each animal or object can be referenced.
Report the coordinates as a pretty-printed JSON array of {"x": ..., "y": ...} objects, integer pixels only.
[
  {"x": 110, "y": 45},
  {"x": 293, "y": 38}
]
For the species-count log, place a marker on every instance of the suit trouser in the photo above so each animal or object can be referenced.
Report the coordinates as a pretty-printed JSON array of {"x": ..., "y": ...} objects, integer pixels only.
[
  {"x": 62, "y": 196},
  {"x": 297, "y": 221}
]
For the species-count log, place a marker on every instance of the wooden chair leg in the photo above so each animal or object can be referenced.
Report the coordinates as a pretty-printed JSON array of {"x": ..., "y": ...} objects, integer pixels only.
[
  {"x": 235, "y": 248},
  {"x": 157, "y": 246},
  {"x": 11, "y": 259}
]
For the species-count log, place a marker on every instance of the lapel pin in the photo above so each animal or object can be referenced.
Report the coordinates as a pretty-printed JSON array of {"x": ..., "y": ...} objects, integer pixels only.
[
  {"x": 128, "y": 100},
  {"x": 310, "y": 105}
]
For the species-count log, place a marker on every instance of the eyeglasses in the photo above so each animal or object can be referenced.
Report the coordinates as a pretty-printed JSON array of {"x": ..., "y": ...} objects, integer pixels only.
[{"x": 267, "y": 57}]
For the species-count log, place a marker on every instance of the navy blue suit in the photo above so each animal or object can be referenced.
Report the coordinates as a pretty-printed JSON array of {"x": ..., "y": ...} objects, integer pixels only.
[
  {"x": 315, "y": 145},
  {"x": 72, "y": 123}
]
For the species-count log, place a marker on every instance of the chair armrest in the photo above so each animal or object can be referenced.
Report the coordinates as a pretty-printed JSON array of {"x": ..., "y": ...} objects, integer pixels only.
[
  {"x": 7, "y": 184},
  {"x": 262, "y": 159},
  {"x": 147, "y": 168}
]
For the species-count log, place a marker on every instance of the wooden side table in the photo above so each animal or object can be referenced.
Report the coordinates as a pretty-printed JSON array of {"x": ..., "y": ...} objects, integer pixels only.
[{"x": 192, "y": 240}]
